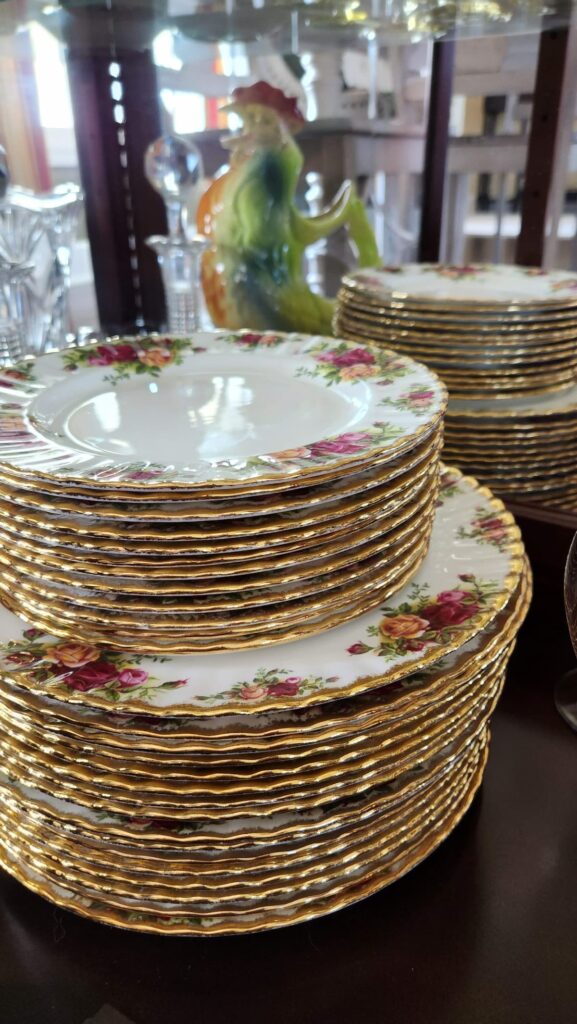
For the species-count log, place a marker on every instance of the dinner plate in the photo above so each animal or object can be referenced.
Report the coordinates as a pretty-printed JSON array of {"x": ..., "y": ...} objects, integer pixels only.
[
  {"x": 252, "y": 737},
  {"x": 194, "y": 802},
  {"x": 385, "y": 871},
  {"x": 332, "y": 865},
  {"x": 254, "y": 839},
  {"x": 89, "y": 499},
  {"x": 479, "y": 570},
  {"x": 164, "y": 774}
]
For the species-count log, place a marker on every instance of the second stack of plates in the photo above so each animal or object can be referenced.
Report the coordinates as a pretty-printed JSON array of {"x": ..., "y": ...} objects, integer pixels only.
[
  {"x": 504, "y": 339},
  {"x": 488, "y": 331},
  {"x": 525, "y": 450}
]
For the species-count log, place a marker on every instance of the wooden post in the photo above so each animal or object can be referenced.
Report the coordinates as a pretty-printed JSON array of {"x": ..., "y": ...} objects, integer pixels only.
[
  {"x": 116, "y": 115},
  {"x": 436, "y": 146},
  {"x": 547, "y": 96}
]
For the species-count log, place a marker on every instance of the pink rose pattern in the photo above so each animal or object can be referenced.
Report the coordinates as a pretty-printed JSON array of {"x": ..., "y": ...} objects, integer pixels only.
[
  {"x": 455, "y": 272},
  {"x": 81, "y": 668},
  {"x": 134, "y": 471},
  {"x": 448, "y": 487},
  {"x": 569, "y": 283},
  {"x": 345, "y": 362},
  {"x": 423, "y": 621},
  {"x": 275, "y": 682},
  {"x": 417, "y": 399},
  {"x": 18, "y": 372},
  {"x": 331, "y": 447},
  {"x": 487, "y": 528},
  {"x": 47, "y": 663},
  {"x": 251, "y": 340},
  {"x": 131, "y": 356}
]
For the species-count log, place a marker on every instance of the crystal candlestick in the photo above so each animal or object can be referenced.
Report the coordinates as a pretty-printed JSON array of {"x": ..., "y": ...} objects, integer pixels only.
[
  {"x": 174, "y": 168},
  {"x": 179, "y": 263}
]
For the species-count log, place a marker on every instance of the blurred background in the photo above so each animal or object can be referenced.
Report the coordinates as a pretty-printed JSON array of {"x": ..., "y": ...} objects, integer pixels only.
[{"x": 86, "y": 86}]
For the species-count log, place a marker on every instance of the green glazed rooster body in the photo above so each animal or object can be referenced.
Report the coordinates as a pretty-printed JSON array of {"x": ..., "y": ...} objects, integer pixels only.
[{"x": 252, "y": 275}]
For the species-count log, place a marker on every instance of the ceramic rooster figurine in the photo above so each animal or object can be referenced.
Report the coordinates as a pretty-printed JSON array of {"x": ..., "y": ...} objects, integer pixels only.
[{"x": 252, "y": 274}]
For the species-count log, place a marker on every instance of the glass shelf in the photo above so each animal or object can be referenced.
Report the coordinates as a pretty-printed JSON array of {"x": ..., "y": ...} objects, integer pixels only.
[{"x": 282, "y": 27}]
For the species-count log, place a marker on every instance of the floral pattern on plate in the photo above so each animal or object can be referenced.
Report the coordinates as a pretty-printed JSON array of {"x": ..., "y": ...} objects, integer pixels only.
[
  {"x": 130, "y": 356},
  {"x": 457, "y": 273},
  {"x": 343, "y": 362},
  {"x": 83, "y": 667},
  {"x": 418, "y": 399},
  {"x": 568, "y": 284},
  {"x": 251, "y": 340},
  {"x": 449, "y": 485},
  {"x": 311, "y": 670},
  {"x": 487, "y": 528},
  {"x": 423, "y": 621},
  {"x": 210, "y": 417}
]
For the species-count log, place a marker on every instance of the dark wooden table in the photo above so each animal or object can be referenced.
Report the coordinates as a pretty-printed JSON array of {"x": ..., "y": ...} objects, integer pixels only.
[{"x": 484, "y": 932}]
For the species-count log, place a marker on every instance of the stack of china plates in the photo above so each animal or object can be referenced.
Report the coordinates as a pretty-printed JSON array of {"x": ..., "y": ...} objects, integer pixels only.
[
  {"x": 504, "y": 339},
  {"x": 212, "y": 493},
  {"x": 232, "y": 792},
  {"x": 497, "y": 332},
  {"x": 527, "y": 451}
]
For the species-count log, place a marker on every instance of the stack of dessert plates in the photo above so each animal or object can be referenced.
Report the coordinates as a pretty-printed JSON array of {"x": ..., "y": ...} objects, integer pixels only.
[
  {"x": 232, "y": 792},
  {"x": 489, "y": 331},
  {"x": 217, "y": 492}
]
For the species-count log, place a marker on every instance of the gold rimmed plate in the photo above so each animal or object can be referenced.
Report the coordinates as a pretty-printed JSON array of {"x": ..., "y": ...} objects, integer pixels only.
[
  {"x": 384, "y": 533},
  {"x": 389, "y": 829},
  {"x": 248, "y": 837},
  {"x": 257, "y": 734},
  {"x": 54, "y": 423},
  {"x": 323, "y": 668},
  {"x": 193, "y": 801},
  {"x": 248, "y": 532},
  {"x": 386, "y": 871},
  {"x": 476, "y": 287},
  {"x": 383, "y": 331}
]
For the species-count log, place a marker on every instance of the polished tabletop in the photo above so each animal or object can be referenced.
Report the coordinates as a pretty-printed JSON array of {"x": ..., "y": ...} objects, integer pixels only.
[{"x": 484, "y": 932}]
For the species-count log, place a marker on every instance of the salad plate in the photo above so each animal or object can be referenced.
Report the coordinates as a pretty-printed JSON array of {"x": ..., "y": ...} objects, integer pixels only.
[
  {"x": 232, "y": 520},
  {"x": 495, "y": 287},
  {"x": 210, "y": 414},
  {"x": 89, "y": 499},
  {"x": 314, "y": 561},
  {"x": 509, "y": 320},
  {"x": 491, "y": 332},
  {"x": 221, "y": 536},
  {"x": 506, "y": 328}
]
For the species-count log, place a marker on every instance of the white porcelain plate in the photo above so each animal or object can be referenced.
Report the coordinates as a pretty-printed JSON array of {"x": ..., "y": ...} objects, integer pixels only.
[
  {"x": 444, "y": 284},
  {"x": 474, "y": 564},
  {"x": 212, "y": 409}
]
